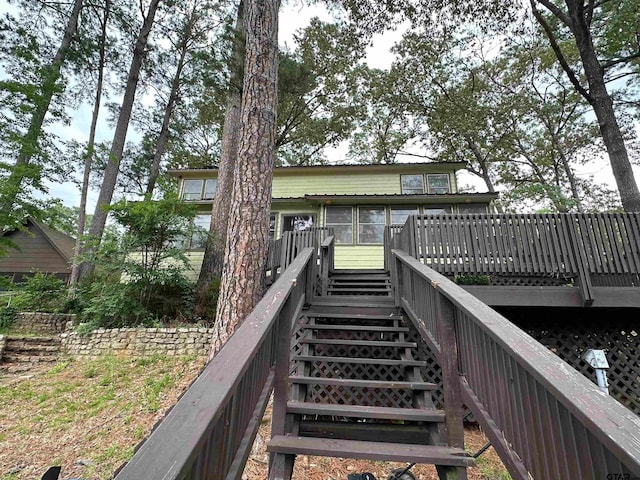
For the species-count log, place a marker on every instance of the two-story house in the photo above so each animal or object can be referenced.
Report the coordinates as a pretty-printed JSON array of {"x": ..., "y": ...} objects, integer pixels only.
[{"x": 356, "y": 200}]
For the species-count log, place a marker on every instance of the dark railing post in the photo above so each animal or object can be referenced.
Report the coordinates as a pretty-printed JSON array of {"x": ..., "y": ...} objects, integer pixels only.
[
  {"x": 449, "y": 363},
  {"x": 580, "y": 255},
  {"x": 281, "y": 466},
  {"x": 396, "y": 278}
]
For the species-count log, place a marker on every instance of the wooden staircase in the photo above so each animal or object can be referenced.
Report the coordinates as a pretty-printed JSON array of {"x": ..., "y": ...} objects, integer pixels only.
[
  {"x": 356, "y": 388},
  {"x": 359, "y": 283}
]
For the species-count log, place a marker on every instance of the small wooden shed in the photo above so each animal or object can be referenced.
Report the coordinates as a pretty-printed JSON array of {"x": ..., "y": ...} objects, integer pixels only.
[{"x": 40, "y": 248}]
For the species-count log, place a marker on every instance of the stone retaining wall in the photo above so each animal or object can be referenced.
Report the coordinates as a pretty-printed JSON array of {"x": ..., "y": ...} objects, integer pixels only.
[
  {"x": 139, "y": 342},
  {"x": 42, "y": 323}
]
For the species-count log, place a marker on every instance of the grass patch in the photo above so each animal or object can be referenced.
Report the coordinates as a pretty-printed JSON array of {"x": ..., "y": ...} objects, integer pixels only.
[{"x": 102, "y": 408}]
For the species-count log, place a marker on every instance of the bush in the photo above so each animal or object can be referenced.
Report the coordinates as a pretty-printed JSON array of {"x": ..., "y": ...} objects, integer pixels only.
[
  {"x": 472, "y": 279},
  {"x": 7, "y": 317},
  {"x": 41, "y": 293},
  {"x": 114, "y": 305}
]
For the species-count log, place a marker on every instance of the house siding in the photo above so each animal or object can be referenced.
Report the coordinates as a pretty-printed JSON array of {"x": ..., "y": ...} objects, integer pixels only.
[
  {"x": 359, "y": 256},
  {"x": 354, "y": 183},
  {"x": 36, "y": 253}
]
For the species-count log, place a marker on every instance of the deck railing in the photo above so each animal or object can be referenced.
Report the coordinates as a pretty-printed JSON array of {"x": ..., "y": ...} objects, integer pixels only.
[
  {"x": 544, "y": 418},
  {"x": 210, "y": 431},
  {"x": 598, "y": 247}
]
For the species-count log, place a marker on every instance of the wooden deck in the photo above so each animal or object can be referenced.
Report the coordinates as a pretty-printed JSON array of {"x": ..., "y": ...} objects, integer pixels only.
[{"x": 560, "y": 260}]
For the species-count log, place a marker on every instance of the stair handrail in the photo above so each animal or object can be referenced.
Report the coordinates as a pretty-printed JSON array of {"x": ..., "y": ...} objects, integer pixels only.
[
  {"x": 210, "y": 431},
  {"x": 545, "y": 419}
]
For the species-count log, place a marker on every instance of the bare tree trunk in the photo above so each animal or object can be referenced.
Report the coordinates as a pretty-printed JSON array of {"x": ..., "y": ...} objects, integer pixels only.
[
  {"x": 247, "y": 235},
  {"x": 120, "y": 134},
  {"x": 29, "y": 141},
  {"x": 174, "y": 94},
  {"x": 214, "y": 251},
  {"x": 82, "y": 215}
]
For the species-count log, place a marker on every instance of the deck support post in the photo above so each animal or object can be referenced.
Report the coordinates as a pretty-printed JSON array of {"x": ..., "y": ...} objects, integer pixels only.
[{"x": 449, "y": 363}]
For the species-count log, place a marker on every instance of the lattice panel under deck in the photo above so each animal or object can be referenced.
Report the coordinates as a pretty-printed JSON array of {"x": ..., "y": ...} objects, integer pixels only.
[
  {"x": 359, "y": 396},
  {"x": 356, "y": 371},
  {"x": 619, "y": 338}
]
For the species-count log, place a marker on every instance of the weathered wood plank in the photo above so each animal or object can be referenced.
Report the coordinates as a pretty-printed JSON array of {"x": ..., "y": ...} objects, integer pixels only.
[
  {"x": 365, "y": 411},
  {"x": 344, "y": 382},
  {"x": 370, "y": 450}
]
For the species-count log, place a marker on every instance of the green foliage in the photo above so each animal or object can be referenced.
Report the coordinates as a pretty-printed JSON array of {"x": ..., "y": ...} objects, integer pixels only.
[
  {"x": 472, "y": 279},
  {"x": 41, "y": 293},
  {"x": 139, "y": 278},
  {"x": 7, "y": 317}
]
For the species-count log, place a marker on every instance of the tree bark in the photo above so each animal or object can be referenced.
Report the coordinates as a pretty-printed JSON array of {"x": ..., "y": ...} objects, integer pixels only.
[
  {"x": 602, "y": 105},
  {"x": 117, "y": 146},
  {"x": 82, "y": 214},
  {"x": 214, "y": 250},
  {"x": 247, "y": 235},
  {"x": 29, "y": 141},
  {"x": 163, "y": 136},
  {"x": 597, "y": 96}
]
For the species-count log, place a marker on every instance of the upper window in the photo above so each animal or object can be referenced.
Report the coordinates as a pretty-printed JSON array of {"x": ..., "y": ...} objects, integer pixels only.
[
  {"x": 371, "y": 221},
  {"x": 412, "y": 184},
  {"x": 438, "y": 183},
  {"x": 199, "y": 189},
  {"x": 399, "y": 214},
  {"x": 341, "y": 219}
]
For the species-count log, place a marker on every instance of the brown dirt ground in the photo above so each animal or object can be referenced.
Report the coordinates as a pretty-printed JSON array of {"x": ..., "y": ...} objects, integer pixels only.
[{"x": 87, "y": 416}]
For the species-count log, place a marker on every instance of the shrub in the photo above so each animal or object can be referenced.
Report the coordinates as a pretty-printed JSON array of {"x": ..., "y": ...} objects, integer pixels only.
[
  {"x": 41, "y": 293},
  {"x": 472, "y": 279},
  {"x": 7, "y": 317}
]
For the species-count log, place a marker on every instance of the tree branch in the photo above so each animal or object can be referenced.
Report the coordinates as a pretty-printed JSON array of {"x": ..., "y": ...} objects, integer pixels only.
[
  {"x": 559, "y": 55},
  {"x": 553, "y": 9},
  {"x": 616, "y": 61}
]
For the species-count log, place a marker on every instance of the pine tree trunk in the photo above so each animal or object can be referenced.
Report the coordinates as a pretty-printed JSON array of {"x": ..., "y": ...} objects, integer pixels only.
[
  {"x": 82, "y": 214},
  {"x": 29, "y": 141},
  {"x": 163, "y": 137},
  {"x": 117, "y": 146},
  {"x": 213, "y": 260},
  {"x": 242, "y": 279}
]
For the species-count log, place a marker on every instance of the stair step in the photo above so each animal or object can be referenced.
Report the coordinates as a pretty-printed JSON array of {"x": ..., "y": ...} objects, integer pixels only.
[
  {"x": 352, "y": 316},
  {"x": 26, "y": 358},
  {"x": 361, "y": 411},
  {"x": 397, "y": 452},
  {"x": 350, "y": 283},
  {"x": 352, "y": 289},
  {"x": 32, "y": 348},
  {"x": 354, "y": 301},
  {"x": 355, "y": 328},
  {"x": 359, "y": 271},
  {"x": 347, "y": 382},
  {"x": 359, "y": 343},
  {"x": 360, "y": 361}
]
